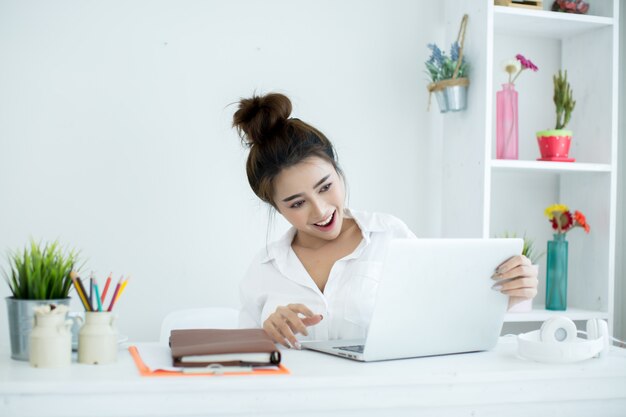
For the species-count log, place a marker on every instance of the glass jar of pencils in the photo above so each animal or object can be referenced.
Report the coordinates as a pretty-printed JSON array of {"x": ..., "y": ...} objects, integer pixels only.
[{"x": 97, "y": 339}]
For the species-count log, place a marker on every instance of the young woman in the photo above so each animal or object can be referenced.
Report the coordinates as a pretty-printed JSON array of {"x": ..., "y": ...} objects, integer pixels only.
[{"x": 320, "y": 279}]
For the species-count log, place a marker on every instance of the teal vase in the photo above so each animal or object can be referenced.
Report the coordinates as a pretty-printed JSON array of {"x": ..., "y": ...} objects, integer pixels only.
[{"x": 556, "y": 274}]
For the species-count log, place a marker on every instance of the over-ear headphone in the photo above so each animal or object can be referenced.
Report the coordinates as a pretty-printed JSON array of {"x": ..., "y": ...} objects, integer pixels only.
[{"x": 557, "y": 341}]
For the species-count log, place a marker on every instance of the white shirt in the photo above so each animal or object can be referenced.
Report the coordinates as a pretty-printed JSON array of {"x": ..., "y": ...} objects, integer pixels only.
[{"x": 276, "y": 278}]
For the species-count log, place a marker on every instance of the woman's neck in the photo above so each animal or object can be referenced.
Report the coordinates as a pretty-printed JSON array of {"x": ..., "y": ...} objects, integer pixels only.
[{"x": 314, "y": 243}]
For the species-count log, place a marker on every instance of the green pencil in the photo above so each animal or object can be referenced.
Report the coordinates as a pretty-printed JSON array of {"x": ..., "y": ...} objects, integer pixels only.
[{"x": 95, "y": 286}]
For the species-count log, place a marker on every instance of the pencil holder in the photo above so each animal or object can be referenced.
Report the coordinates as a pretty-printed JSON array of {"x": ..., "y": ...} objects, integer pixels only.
[{"x": 97, "y": 339}]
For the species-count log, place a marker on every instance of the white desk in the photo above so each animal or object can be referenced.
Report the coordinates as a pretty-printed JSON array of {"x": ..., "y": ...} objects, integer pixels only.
[{"x": 495, "y": 383}]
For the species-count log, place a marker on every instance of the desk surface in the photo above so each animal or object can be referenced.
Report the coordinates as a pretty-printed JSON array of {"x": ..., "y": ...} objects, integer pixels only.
[{"x": 497, "y": 382}]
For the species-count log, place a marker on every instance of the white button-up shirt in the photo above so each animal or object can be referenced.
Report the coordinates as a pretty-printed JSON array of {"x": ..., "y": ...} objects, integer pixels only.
[{"x": 276, "y": 278}]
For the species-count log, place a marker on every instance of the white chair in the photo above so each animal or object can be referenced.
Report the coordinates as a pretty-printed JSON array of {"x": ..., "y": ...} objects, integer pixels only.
[{"x": 199, "y": 318}]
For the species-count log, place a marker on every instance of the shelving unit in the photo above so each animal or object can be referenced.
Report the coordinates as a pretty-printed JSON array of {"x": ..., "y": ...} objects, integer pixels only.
[
  {"x": 510, "y": 195},
  {"x": 556, "y": 167},
  {"x": 540, "y": 314}
]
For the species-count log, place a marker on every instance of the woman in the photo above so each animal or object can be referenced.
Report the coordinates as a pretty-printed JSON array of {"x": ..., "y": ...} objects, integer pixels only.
[{"x": 320, "y": 279}]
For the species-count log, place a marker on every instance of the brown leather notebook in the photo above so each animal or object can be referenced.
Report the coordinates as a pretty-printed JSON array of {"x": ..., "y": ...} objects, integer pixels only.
[{"x": 228, "y": 347}]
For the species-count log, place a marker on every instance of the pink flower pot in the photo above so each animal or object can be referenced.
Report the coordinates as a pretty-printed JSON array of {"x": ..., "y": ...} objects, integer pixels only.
[{"x": 554, "y": 145}]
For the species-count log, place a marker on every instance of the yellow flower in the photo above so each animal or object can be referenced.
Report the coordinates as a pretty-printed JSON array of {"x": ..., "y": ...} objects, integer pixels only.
[{"x": 558, "y": 208}]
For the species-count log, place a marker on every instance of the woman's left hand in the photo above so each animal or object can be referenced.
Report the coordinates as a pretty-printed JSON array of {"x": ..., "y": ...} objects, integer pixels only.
[{"x": 517, "y": 278}]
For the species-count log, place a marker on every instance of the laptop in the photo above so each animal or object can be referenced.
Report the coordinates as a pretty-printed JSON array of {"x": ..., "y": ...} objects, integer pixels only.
[{"x": 434, "y": 298}]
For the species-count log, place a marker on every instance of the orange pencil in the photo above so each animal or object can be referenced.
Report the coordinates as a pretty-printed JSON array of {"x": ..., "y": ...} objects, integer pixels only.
[{"x": 106, "y": 287}]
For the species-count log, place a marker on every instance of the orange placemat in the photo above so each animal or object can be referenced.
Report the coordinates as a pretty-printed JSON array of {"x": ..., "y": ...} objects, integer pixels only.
[{"x": 145, "y": 371}]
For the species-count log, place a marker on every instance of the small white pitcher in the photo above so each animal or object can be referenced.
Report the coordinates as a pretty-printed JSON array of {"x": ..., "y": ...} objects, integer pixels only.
[
  {"x": 97, "y": 339},
  {"x": 50, "y": 341}
]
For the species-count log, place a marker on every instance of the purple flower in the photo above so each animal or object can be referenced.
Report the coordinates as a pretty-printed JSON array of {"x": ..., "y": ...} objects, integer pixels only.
[
  {"x": 437, "y": 56},
  {"x": 454, "y": 51}
]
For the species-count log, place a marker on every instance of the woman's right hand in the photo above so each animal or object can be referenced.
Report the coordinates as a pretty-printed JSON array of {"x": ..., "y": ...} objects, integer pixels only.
[{"x": 283, "y": 324}]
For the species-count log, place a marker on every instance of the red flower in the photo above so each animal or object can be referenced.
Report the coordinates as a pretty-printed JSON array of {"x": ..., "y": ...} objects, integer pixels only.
[
  {"x": 581, "y": 220},
  {"x": 562, "y": 222}
]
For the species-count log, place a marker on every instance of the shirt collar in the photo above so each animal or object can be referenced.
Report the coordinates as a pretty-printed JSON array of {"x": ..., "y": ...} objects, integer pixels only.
[{"x": 367, "y": 222}]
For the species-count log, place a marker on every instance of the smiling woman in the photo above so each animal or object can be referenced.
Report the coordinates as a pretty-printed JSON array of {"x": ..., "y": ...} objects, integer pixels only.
[{"x": 320, "y": 279}]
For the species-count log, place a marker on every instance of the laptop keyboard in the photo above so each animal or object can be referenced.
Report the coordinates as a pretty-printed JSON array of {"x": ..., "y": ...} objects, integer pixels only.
[{"x": 355, "y": 348}]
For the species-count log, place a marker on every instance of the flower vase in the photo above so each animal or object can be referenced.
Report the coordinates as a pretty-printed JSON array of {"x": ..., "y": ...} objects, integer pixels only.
[
  {"x": 506, "y": 123},
  {"x": 556, "y": 274}
]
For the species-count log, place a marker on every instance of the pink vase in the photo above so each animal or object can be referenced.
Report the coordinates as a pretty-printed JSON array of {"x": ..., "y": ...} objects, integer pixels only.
[{"x": 506, "y": 123}]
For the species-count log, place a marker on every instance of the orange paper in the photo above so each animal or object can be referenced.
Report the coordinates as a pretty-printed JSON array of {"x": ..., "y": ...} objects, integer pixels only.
[{"x": 145, "y": 371}]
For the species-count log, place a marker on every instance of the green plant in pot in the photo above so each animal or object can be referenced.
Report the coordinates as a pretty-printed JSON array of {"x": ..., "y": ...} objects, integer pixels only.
[
  {"x": 38, "y": 275},
  {"x": 554, "y": 144},
  {"x": 448, "y": 74}
]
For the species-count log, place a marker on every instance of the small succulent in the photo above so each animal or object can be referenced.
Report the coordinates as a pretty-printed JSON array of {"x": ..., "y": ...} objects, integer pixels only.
[{"x": 563, "y": 99}]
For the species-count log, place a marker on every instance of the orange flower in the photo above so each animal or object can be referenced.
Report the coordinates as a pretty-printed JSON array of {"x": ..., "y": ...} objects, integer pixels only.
[{"x": 581, "y": 220}]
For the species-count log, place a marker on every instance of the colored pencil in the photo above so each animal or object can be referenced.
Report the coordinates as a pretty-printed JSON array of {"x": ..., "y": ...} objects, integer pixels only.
[
  {"x": 106, "y": 288},
  {"x": 117, "y": 289},
  {"x": 119, "y": 294},
  {"x": 95, "y": 286},
  {"x": 91, "y": 291},
  {"x": 79, "y": 292},
  {"x": 82, "y": 288},
  {"x": 84, "y": 293}
]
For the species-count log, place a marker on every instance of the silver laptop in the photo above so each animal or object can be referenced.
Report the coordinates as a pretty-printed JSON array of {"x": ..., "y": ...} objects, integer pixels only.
[{"x": 434, "y": 298}]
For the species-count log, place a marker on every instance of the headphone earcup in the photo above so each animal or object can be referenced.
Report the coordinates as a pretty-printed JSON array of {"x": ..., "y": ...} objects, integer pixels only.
[
  {"x": 557, "y": 330},
  {"x": 599, "y": 329}
]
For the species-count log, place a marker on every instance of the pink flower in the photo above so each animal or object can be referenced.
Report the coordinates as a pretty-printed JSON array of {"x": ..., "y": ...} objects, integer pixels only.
[{"x": 526, "y": 63}]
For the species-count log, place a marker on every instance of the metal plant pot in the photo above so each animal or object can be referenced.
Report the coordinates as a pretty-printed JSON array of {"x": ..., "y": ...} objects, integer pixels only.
[
  {"x": 441, "y": 101},
  {"x": 21, "y": 315},
  {"x": 456, "y": 97}
]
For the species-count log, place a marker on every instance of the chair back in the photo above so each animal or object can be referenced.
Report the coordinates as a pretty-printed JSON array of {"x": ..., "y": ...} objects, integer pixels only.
[{"x": 199, "y": 318}]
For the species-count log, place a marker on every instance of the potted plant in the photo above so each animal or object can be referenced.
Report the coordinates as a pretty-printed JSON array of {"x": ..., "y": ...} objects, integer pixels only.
[
  {"x": 38, "y": 275},
  {"x": 448, "y": 75},
  {"x": 530, "y": 251},
  {"x": 570, "y": 6},
  {"x": 554, "y": 144}
]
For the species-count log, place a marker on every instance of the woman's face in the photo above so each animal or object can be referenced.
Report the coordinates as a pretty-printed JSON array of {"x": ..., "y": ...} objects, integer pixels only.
[{"x": 310, "y": 195}]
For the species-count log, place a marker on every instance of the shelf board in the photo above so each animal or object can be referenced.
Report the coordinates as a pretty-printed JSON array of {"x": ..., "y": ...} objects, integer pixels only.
[
  {"x": 544, "y": 23},
  {"x": 539, "y": 313},
  {"x": 556, "y": 167}
]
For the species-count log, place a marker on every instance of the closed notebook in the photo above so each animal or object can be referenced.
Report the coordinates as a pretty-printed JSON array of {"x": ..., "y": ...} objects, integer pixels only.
[{"x": 228, "y": 347}]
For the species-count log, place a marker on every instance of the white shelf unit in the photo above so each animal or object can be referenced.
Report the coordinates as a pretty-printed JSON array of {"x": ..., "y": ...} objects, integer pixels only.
[
  {"x": 540, "y": 314},
  {"x": 510, "y": 196}
]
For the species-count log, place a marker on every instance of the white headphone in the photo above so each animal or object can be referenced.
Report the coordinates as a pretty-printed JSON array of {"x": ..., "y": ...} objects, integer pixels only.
[{"x": 557, "y": 341}]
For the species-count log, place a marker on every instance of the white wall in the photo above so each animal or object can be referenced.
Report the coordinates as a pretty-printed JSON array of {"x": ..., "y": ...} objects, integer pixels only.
[{"x": 115, "y": 130}]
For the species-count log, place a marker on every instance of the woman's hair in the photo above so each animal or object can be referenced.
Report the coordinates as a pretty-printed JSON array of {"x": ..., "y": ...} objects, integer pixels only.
[{"x": 276, "y": 141}]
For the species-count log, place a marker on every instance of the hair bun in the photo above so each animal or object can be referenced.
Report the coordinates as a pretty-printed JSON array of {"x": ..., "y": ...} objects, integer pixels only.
[{"x": 260, "y": 117}]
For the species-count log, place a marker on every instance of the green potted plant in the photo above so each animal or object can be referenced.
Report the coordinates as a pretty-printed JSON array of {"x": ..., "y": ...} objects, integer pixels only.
[
  {"x": 37, "y": 275},
  {"x": 448, "y": 74},
  {"x": 530, "y": 251},
  {"x": 554, "y": 144}
]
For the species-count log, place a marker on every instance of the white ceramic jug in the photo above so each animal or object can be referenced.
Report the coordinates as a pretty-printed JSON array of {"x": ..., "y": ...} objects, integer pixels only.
[
  {"x": 50, "y": 340},
  {"x": 97, "y": 339}
]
